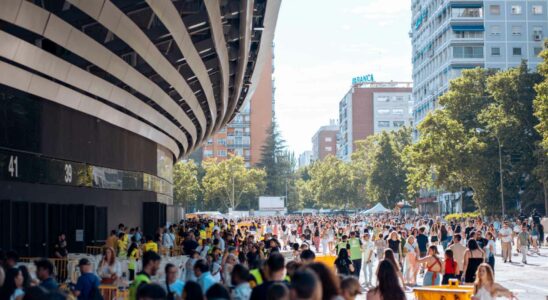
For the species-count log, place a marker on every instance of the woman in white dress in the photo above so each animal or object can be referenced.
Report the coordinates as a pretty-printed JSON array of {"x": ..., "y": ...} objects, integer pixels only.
[
  {"x": 485, "y": 287},
  {"x": 410, "y": 266}
]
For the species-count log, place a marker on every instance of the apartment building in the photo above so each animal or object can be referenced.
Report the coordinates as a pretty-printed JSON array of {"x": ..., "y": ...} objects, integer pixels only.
[{"x": 449, "y": 36}]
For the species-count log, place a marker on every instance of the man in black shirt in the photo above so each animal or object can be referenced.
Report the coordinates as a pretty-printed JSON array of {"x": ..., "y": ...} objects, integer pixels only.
[
  {"x": 482, "y": 242},
  {"x": 190, "y": 243},
  {"x": 422, "y": 240},
  {"x": 275, "y": 267}
]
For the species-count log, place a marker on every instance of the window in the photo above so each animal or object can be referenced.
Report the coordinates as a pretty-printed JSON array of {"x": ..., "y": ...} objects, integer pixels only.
[
  {"x": 516, "y": 51},
  {"x": 516, "y": 9},
  {"x": 399, "y": 98},
  {"x": 495, "y": 51},
  {"x": 537, "y": 33},
  {"x": 516, "y": 30},
  {"x": 398, "y": 123},
  {"x": 495, "y": 30},
  {"x": 208, "y": 153},
  {"x": 459, "y": 12},
  {"x": 494, "y": 10},
  {"x": 209, "y": 141},
  {"x": 328, "y": 139},
  {"x": 383, "y": 98},
  {"x": 222, "y": 153},
  {"x": 383, "y": 123},
  {"x": 397, "y": 111},
  {"x": 537, "y": 9},
  {"x": 221, "y": 141},
  {"x": 537, "y": 51},
  {"x": 467, "y": 52},
  {"x": 328, "y": 148},
  {"x": 383, "y": 111}
]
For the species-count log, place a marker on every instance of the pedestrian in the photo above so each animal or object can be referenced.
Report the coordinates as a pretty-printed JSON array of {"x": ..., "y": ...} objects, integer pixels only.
[
  {"x": 239, "y": 280},
  {"x": 411, "y": 267},
  {"x": 330, "y": 283},
  {"x": 134, "y": 253},
  {"x": 278, "y": 291},
  {"x": 434, "y": 267},
  {"x": 173, "y": 285},
  {"x": 87, "y": 286},
  {"x": 350, "y": 288},
  {"x": 343, "y": 264},
  {"x": 485, "y": 287},
  {"x": 275, "y": 265},
  {"x": 355, "y": 252},
  {"x": 12, "y": 289},
  {"x": 380, "y": 245},
  {"x": 193, "y": 291},
  {"x": 203, "y": 275},
  {"x": 388, "y": 286},
  {"x": 490, "y": 250},
  {"x": 151, "y": 264},
  {"x": 505, "y": 234},
  {"x": 473, "y": 257},
  {"x": 368, "y": 256},
  {"x": 422, "y": 241},
  {"x": 44, "y": 272},
  {"x": 60, "y": 247},
  {"x": 109, "y": 270},
  {"x": 523, "y": 242},
  {"x": 450, "y": 267},
  {"x": 305, "y": 285}
]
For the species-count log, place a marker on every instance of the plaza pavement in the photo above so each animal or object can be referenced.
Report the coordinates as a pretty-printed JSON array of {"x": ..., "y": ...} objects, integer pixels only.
[{"x": 528, "y": 282}]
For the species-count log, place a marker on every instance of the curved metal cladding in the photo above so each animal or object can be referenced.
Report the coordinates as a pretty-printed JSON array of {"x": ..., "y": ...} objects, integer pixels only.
[{"x": 172, "y": 71}]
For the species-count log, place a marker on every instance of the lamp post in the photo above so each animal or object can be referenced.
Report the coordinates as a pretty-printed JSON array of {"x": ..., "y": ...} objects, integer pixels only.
[
  {"x": 479, "y": 130},
  {"x": 500, "y": 175}
]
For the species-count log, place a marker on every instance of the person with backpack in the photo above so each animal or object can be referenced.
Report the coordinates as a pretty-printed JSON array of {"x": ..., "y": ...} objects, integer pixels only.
[{"x": 87, "y": 286}]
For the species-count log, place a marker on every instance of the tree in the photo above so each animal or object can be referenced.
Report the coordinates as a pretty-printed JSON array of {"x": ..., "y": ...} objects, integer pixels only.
[
  {"x": 483, "y": 112},
  {"x": 277, "y": 162},
  {"x": 380, "y": 172},
  {"x": 225, "y": 182},
  {"x": 541, "y": 101},
  {"x": 541, "y": 112},
  {"x": 185, "y": 183},
  {"x": 332, "y": 183}
]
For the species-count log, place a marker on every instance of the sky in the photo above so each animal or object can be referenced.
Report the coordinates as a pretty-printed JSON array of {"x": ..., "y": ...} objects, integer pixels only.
[{"x": 320, "y": 45}]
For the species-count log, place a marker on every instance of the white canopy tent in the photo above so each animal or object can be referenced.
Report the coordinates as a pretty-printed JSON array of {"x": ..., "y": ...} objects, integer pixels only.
[{"x": 377, "y": 209}]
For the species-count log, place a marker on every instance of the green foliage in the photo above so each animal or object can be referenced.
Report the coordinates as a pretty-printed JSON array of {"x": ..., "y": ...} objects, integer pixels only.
[
  {"x": 186, "y": 187},
  {"x": 332, "y": 183},
  {"x": 379, "y": 161},
  {"x": 541, "y": 101},
  {"x": 458, "y": 145},
  {"x": 462, "y": 216},
  {"x": 226, "y": 182},
  {"x": 277, "y": 162}
]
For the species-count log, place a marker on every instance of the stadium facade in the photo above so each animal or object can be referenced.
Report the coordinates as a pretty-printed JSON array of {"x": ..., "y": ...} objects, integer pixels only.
[{"x": 99, "y": 98}]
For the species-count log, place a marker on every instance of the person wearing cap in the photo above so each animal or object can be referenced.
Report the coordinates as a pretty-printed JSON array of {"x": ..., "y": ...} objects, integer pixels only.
[{"x": 88, "y": 283}]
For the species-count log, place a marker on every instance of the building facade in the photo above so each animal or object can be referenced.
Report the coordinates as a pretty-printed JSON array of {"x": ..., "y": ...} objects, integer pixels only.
[
  {"x": 305, "y": 158},
  {"x": 245, "y": 135},
  {"x": 324, "y": 141},
  {"x": 449, "y": 36},
  {"x": 99, "y": 98},
  {"x": 370, "y": 108}
]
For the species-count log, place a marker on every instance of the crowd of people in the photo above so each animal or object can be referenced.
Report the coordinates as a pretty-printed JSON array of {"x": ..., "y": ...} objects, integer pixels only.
[{"x": 284, "y": 257}]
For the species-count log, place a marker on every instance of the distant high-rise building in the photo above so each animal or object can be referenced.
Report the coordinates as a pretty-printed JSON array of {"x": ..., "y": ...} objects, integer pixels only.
[
  {"x": 324, "y": 141},
  {"x": 450, "y": 36},
  {"x": 305, "y": 158},
  {"x": 369, "y": 108},
  {"x": 245, "y": 135}
]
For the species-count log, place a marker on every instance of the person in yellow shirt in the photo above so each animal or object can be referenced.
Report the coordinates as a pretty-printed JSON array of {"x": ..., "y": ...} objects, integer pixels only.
[
  {"x": 150, "y": 245},
  {"x": 122, "y": 245}
]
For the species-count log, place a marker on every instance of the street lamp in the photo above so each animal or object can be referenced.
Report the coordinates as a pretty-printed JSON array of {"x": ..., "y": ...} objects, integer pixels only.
[{"x": 480, "y": 130}]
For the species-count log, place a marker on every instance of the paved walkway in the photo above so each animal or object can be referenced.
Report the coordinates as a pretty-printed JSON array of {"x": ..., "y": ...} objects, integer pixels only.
[{"x": 528, "y": 282}]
